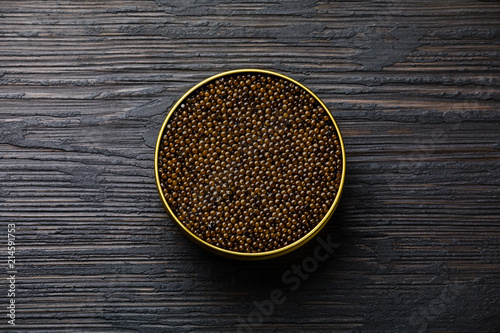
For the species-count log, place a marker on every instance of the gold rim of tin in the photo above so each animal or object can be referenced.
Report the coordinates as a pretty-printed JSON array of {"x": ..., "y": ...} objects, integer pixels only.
[{"x": 257, "y": 255}]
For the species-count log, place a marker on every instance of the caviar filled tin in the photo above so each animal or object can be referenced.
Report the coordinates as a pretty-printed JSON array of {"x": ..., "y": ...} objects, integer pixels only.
[{"x": 250, "y": 164}]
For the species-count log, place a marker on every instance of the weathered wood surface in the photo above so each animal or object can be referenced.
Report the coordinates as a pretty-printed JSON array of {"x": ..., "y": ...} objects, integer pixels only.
[{"x": 414, "y": 87}]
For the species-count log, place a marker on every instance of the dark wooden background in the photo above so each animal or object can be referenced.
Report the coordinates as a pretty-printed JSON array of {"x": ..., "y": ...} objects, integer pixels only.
[{"x": 414, "y": 87}]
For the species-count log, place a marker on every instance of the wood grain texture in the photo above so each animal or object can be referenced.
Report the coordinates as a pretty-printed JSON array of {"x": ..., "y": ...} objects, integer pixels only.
[{"x": 414, "y": 87}]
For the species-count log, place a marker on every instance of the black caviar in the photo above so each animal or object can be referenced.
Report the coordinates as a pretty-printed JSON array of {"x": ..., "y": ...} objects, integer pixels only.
[{"x": 250, "y": 162}]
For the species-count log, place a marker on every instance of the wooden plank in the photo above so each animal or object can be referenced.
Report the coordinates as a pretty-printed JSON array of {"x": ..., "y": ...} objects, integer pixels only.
[{"x": 414, "y": 87}]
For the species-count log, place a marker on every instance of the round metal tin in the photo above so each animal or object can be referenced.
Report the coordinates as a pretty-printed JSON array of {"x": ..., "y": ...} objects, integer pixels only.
[{"x": 257, "y": 255}]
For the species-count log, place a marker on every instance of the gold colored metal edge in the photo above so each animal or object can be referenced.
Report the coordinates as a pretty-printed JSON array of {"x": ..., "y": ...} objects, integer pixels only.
[{"x": 257, "y": 255}]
